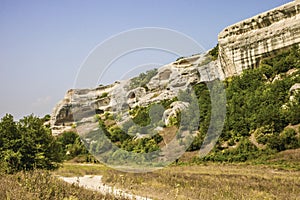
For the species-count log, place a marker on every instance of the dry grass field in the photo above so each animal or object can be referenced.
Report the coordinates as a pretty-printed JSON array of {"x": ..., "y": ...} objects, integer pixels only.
[
  {"x": 42, "y": 185},
  {"x": 205, "y": 181},
  {"x": 277, "y": 178}
]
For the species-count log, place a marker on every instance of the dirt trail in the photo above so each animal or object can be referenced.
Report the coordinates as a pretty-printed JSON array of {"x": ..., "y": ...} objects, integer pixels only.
[{"x": 95, "y": 183}]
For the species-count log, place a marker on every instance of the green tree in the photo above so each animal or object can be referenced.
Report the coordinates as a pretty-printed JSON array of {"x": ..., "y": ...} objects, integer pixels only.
[{"x": 27, "y": 144}]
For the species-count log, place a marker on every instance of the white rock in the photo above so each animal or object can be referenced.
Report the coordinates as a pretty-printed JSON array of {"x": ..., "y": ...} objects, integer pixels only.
[
  {"x": 295, "y": 88},
  {"x": 175, "y": 108},
  {"x": 244, "y": 44}
]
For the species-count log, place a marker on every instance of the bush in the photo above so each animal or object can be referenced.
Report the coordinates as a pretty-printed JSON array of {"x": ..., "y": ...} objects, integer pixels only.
[
  {"x": 285, "y": 60},
  {"x": 214, "y": 53},
  {"x": 289, "y": 139},
  {"x": 104, "y": 94},
  {"x": 141, "y": 116},
  {"x": 142, "y": 79}
]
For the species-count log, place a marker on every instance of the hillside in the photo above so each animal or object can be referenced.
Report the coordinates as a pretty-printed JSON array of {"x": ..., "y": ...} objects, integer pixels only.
[
  {"x": 240, "y": 100},
  {"x": 224, "y": 124}
]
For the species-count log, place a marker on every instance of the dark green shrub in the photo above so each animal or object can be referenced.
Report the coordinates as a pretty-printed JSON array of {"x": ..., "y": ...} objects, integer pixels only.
[
  {"x": 214, "y": 53},
  {"x": 142, "y": 79}
]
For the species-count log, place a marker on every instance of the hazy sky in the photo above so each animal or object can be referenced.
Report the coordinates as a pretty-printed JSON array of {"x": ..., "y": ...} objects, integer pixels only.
[{"x": 43, "y": 43}]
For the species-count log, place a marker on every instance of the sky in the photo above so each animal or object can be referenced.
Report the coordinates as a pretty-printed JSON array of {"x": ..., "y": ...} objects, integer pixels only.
[{"x": 44, "y": 44}]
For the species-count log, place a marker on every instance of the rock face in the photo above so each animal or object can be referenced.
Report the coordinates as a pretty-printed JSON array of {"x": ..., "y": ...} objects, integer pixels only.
[
  {"x": 79, "y": 106},
  {"x": 294, "y": 90},
  {"x": 244, "y": 44},
  {"x": 241, "y": 46},
  {"x": 173, "y": 110}
]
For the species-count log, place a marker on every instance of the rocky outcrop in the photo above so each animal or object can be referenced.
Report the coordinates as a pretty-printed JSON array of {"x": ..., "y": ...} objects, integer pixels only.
[
  {"x": 241, "y": 46},
  {"x": 244, "y": 44},
  {"x": 294, "y": 90},
  {"x": 174, "y": 109},
  {"x": 79, "y": 106}
]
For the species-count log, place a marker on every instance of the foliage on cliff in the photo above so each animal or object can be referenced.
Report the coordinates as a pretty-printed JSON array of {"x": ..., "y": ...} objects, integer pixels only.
[
  {"x": 214, "y": 53},
  {"x": 142, "y": 79},
  {"x": 110, "y": 141},
  {"x": 258, "y": 111},
  {"x": 259, "y": 105}
]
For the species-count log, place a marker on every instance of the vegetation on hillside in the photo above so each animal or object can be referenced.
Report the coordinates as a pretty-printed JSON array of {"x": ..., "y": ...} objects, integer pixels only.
[
  {"x": 258, "y": 103},
  {"x": 259, "y": 109},
  {"x": 73, "y": 148},
  {"x": 142, "y": 79},
  {"x": 214, "y": 53}
]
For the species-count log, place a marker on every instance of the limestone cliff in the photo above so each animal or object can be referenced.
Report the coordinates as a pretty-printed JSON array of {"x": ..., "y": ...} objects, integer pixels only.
[
  {"x": 81, "y": 105},
  {"x": 244, "y": 44},
  {"x": 241, "y": 46}
]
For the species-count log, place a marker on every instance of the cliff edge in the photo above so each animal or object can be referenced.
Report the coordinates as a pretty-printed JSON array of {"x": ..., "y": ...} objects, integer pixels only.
[
  {"x": 241, "y": 46},
  {"x": 244, "y": 44}
]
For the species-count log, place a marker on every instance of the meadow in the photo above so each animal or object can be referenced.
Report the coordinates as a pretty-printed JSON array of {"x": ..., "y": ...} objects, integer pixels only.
[{"x": 203, "y": 181}]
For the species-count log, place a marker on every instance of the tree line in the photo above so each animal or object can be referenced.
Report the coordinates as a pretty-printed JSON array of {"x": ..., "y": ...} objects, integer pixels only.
[{"x": 28, "y": 144}]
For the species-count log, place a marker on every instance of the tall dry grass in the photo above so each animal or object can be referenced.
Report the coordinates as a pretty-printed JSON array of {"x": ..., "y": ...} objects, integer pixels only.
[
  {"x": 213, "y": 181},
  {"x": 41, "y": 185}
]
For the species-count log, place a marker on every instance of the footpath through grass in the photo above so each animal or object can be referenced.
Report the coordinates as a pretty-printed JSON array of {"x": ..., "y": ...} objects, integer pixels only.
[
  {"x": 42, "y": 185},
  {"x": 204, "y": 181}
]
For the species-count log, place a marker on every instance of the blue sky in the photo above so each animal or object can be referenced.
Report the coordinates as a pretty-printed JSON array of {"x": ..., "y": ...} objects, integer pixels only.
[{"x": 43, "y": 43}]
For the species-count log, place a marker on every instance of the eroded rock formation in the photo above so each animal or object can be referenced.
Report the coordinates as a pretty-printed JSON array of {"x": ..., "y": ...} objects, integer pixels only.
[
  {"x": 241, "y": 46},
  {"x": 244, "y": 44},
  {"x": 79, "y": 106}
]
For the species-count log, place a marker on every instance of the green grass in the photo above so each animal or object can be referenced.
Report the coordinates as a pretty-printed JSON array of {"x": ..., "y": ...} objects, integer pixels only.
[{"x": 77, "y": 169}]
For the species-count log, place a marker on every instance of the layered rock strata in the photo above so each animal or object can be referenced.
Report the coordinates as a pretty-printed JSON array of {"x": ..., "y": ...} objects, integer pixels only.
[{"x": 244, "y": 44}]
